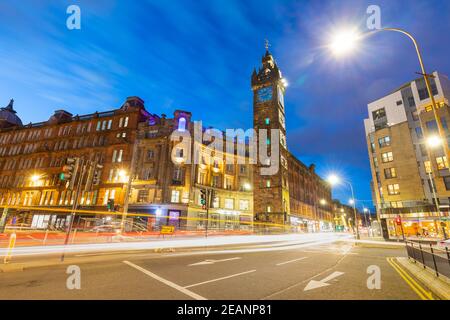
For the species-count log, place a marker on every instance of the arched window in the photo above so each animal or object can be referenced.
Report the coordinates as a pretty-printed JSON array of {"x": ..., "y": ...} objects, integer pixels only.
[{"x": 182, "y": 124}]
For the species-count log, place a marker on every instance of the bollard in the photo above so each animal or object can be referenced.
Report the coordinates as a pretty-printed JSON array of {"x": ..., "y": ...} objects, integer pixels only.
[{"x": 12, "y": 243}]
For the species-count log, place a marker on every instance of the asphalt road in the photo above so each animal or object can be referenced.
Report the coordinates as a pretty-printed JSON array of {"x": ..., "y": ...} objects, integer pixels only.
[{"x": 330, "y": 271}]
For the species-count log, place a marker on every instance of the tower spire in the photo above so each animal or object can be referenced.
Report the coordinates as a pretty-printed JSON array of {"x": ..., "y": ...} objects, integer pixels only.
[{"x": 266, "y": 45}]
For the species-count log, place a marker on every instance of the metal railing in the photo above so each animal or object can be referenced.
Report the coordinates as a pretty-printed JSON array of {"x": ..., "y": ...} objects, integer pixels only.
[{"x": 437, "y": 259}]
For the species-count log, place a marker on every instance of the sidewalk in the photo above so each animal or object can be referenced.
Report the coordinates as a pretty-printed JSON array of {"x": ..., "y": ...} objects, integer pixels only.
[{"x": 440, "y": 286}]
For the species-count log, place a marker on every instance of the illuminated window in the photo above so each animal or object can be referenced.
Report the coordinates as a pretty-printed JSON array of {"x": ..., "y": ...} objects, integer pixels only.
[
  {"x": 393, "y": 189},
  {"x": 387, "y": 157},
  {"x": 244, "y": 205},
  {"x": 390, "y": 173},
  {"x": 175, "y": 196},
  {"x": 269, "y": 209},
  {"x": 229, "y": 203},
  {"x": 267, "y": 183},
  {"x": 441, "y": 163},
  {"x": 267, "y": 121}
]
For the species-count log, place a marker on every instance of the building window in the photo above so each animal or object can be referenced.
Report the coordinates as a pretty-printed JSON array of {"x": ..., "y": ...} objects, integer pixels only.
[
  {"x": 384, "y": 142},
  {"x": 216, "y": 181},
  {"x": 117, "y": 155},
  {"x": 150, "y": 154},
  {"x": 387, "y": 157},
  {"x": 379, "y": 114},
  {"x": 228, "y": 183},
  {"x": 268, "y": 182},
  {"x": 269, "y": 209},
  {"x": 415, "y": 115},
  {"x": 375, "y": 162},
  {"x": 267, "y": 121},
  {"x": 447, "y": 182},
  {"x": 175, "y": 196},
  {"x": 411, "y": 102},
  {"x": 390, "y": 173},
  {"x": 244, "y": 205},
  {"x": 242, "y": 169},
  {"x": 397, "y": 204},
  {"x": 177, "y": 174},
  {"x": 393, "y": 189},
  {"x": 432, "y": 126},
  {"x": 229, "y": 167},
  {"x": 202, "y": 178},
  {"x": 399, "y": 102},
  {"x": 182, "y": 124},
  {"x": 442, "y": 163},
  {"x": 419, "y": 132},
  {"x": 229, "y": 203},
  {"x": 216, "y": 202}
]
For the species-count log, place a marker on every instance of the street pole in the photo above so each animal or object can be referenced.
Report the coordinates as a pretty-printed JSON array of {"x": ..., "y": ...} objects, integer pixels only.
[
  {"x": 441, "y": 130},
  {"x": 354, "y": 211},
  {"x": 126, "y": 199},
  {"x": 81, "y": 163},
  {"x": 208, "y": 192}
]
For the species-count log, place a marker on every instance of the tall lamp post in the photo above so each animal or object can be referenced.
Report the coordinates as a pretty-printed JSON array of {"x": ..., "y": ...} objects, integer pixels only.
[
  {"x": 335, "y": 180},
  {"x": 344, "y": 42}
]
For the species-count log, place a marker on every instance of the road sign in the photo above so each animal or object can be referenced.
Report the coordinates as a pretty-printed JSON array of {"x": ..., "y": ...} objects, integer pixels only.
[{"x": 167, "y": 229}]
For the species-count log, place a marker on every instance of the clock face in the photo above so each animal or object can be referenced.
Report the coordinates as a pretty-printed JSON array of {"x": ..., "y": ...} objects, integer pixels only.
[{"x": 265, "y": 94}]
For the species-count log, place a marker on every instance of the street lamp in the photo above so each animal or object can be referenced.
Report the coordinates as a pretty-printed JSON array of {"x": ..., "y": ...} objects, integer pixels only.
[
  {"x": 346, "y": 41},
  {"x": 333, "y": 179}
]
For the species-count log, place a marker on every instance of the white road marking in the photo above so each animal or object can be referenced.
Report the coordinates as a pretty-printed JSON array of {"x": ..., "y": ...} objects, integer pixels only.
[
  {"x": 166, "y": 282},
  {"x": 314, "y": 284},
  {"x": 218, "y": 279},
  {"x": 211, "y": 261},
  {"x": 286, "y": 262}
]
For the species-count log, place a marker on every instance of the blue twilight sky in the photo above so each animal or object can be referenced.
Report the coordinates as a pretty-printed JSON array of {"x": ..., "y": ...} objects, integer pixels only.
[{"x": 198, "y": 56}]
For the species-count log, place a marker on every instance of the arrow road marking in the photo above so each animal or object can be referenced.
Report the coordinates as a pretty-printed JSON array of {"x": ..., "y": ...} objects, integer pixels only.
[
  {"x": 314, "y": 284},
  {"x": 211, "y": 261}
]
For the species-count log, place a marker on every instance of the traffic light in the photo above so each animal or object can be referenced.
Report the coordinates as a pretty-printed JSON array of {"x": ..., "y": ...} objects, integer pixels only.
[
  {"x": 398, "y": 220},
  {"x": 93, "y": 177},
  {"x": 110, "y": 204},
  {"x": 69, "y": 172},
  {"x": 203, "y": 198}
]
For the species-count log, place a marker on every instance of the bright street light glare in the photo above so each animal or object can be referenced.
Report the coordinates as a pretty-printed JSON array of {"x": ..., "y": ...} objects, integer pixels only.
[
  {"x": 333, "y": 179},
  {"x": 344, "y": 42},
  {"x": 434, "y": 141},
  {"x": 351, "y": 201}
]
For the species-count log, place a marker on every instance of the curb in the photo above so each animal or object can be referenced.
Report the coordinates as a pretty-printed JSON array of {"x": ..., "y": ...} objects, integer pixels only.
[{"x": 439, "y": 285}]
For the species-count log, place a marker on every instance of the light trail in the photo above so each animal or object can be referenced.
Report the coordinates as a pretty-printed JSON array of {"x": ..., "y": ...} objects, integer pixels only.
[{"x": 300, "y": 239}]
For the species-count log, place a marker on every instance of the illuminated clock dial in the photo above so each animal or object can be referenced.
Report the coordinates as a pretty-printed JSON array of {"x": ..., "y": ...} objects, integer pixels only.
[{"x": 265, "y": 94}]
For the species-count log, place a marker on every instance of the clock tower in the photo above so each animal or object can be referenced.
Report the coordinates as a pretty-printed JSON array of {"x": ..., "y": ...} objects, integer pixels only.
[{"x": 271, "y": 192}]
